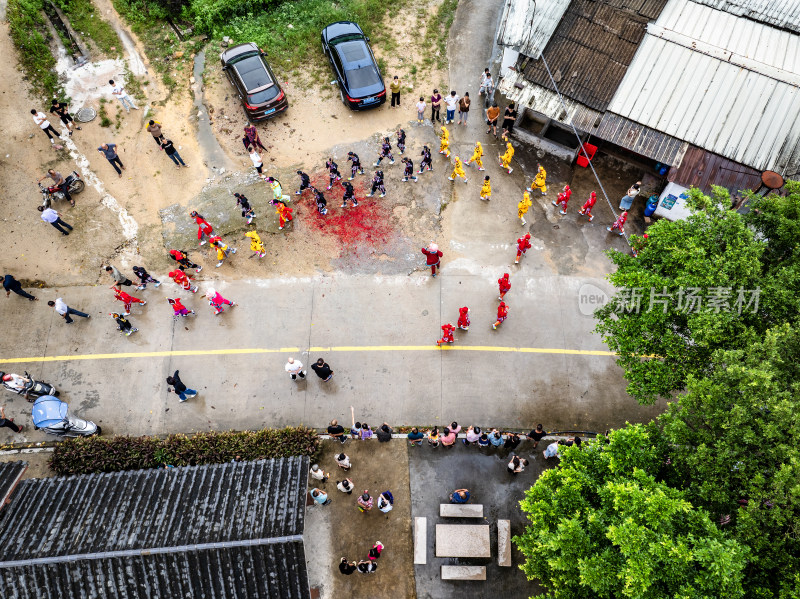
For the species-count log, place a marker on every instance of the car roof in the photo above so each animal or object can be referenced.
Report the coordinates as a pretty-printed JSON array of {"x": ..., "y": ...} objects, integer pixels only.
[
  {"x": 340, "y": 28},
  {"x": 354, "y": 54},
  {"x": 254, "y": 73},
  {"x": 238, "y": 50}
]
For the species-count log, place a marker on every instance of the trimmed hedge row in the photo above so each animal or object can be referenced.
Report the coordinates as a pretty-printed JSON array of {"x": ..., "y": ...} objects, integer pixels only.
[{"x": 99, "y": 454}]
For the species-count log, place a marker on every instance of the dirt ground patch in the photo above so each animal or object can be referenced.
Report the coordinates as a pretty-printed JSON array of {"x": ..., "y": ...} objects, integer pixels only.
[{"x": 339, "y": 530}]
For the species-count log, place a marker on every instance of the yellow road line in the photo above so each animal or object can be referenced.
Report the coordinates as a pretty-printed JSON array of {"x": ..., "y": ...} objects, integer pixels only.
[{"x": 290, "y": 350}]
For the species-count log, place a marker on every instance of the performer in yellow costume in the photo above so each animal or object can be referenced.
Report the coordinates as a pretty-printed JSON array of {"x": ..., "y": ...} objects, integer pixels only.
[
  {"x": 522, "y": 207},
  {"x": 458, "y": 171},
  {"x": 486, "y": 189},
  {"x": 255, "y": 244},
  {"x": 540, "y": 181},
  {"x": 476, "y": 156},
  {"x": 505, "y": 159},
  {"x": 444, "y": 138}
]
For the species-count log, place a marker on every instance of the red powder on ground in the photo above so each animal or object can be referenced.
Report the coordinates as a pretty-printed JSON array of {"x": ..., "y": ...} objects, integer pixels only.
[{"x": 367, "y": 224}]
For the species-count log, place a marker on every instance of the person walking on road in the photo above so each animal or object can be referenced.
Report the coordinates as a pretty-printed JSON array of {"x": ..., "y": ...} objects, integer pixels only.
[
  {"x": 408, "y": 170},
  {"x": 305, "y": 182},
  {"x": 377, "y": 185},
  {"x": 586, "y": 209},
  {"x": 627, "y": 201},
  {"x": 60, "y": 182},
  {"x": 343, "y": 461},
  {"x": 463, "y": 318},
  {"x": 119, "y": 278},
  {"x": 540, "y": 181},
  {"x": 433, "y": 256},
  {"x": 323, "y": 371},
  {"x": 386, "y": 152},
  {"x": 486, "y": 77},
  {"x": 204, "y": 228},
  {"x": 523, "y": 245},
  {"x": 217, "y": 302},
  {"x": 256, "y": 246},
  {"x": 255, "y": 157},
  {"x": 178, "y": 309},
  {"x": 154, "y": 129},
  {"x": 355, "y": 167},
  {"x": 182, "y": 258},
  {"x": 118, "y": 91},
  {"x": 40, "y": 119},
  {"x": 447, "y": 334},
  {"x": 444, "y": 142},
  {"x": 61, "y": 110},
  {"x": 11, "y": 284},
  {"x": 65, "y": 311},
  {"x": 294, "y": 368},
  {"x": 54, "y": 218},
  {"x": 222, "y": 249},
  {"x": 563, "y": 198},
  {"x": 477, "y": 154},
  {"x": 504, "y": 283},
  {"x": 127, "y": 299},
  {"x": 179, "y": 388},
  {"x": 144, "y": 278},
  {"x": 243, "y": 203},
  {"x": 182, "y": 279},
  {"x": 523, "y": 206},
  {"x": 619, "y": 224},
  {"x": 284, "y": 215},
  {"x": 110, "y": 152},
  {"x": 463, "y": 109},
  {"x": 395, "y": 87},
  {"x": 502, "y": 314},
  {"x": 486, "y": 189},
  {"x": 123, "y": 324},
  {"x": 7, "y": 422},
  {"x": 169, "y": 150},
  {"x": 458, "y": 170},
  {"x": 505, "y": 159}
]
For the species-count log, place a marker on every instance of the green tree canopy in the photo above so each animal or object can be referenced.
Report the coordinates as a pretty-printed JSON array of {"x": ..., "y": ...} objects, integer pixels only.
[
  {"x": 603, "y": 526},
  {"x": 735, "y": 445}
]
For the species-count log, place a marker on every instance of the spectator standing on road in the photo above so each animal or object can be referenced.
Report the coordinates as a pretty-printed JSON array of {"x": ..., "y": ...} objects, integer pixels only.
[
  {"x": 472, "y": 435},
  {"x": 436, "y": 104},
  {"x": 40, "y": 119},
  {"x": 54, "y": 218},
  {"x": 123, "y": 324},
  {"x": 345, "y": 486},
  {"x": 336, "y": 431},
  {"x": 433, "y": 256},
  {"x": 61, "y": 110},
  {"x": 364, "y": 502},
  {"x": 536, "y": 435},
  {"x": 367, "y": 566},
  {"x": 463, "y": 109},
  {"x": 517, "y": 465},
  {"x": 110, "y": 152},
  {"x": 459, "y": 496},
  {"x": 433, "y": 437},
  {"x": 144, "y": 278},
  {"x": 64, "y": 310},
  {"x": 154, "y": 129},
  {"x": 512, "y": 441},
  {"x": 294, "y": 368},
  {"x": 366, "y": 431},
  {"x": 60, "y": 182},
  {"x": 343, "y": 461},
  {"x": 627, "y": 201},
  {"x": 347, "y": 568},
  {"x": 377, "y": 548},
  {"x": 395, "y": 87},
  {"x": 183, "y": 259},
  {"x": 257, "y": 162},
  {"x": 251, "y": 137},
  {"x": 483, "y": 441},
  {"x": 355, "y": 429},
  {"x": 421, "y": 110},
  {"x": 318, "y": 473},
  {"x": 509, "y": 118},
  {"x": 169, "y": 150},
  {"x": 320, "y": 497},
  {"x": 415, "y": 437},
  {"x": 485, "y": 78},
  {"x": 502, "y": 314},
  {"x": 182, "y": 391},
  {"x": 451, "y": 102},
  {"x": 119, "y": 278},
  {"x": 385, "y": 503},
  {"x": 492, "y": 114},
  {"x": 323, "y": 371},
  {"x": 496, "y": 438},
  {"x": 552, "y": 450},
  {"x": 449, "y": 437},
  {"x": 454, "y": 426},
  {"x": 8, "y": 422},
  {"x": 11, "y": 284},
  {"x": 384, "y": 433},
  {"x": 118, "y": 91}
]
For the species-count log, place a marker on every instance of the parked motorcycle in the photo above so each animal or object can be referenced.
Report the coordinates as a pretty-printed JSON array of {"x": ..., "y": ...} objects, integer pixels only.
[
  {"x": 51, "y": 415},
  {"x": 53, "y": 193},
  {"x": 27, "y": 386}
]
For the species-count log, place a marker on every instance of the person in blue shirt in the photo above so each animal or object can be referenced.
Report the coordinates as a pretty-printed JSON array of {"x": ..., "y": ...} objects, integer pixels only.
[
  {"x": 459, "y": 496},
  {"x": 496, "y": 438},
  {"x": 320, "y": 497},
  {"x": 415, "y": 437}
]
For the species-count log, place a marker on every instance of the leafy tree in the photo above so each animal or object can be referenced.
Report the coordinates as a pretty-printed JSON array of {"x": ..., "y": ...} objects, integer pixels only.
[
  {"x": 603, "y": 526},
  {"x": 735, "y": 445}
]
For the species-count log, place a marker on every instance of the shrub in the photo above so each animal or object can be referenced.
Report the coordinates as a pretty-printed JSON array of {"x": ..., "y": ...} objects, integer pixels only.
[
  {"x": 30, "y": 37},
  {"x": 99, "y": 454}
]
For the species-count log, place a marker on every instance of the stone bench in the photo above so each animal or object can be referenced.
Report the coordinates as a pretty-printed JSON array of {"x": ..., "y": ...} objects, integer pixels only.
[
  {"x": 420, "y": 540},
  {"x": 460, "y": 510},
  {"x": 504, "y": 542},
  {"x": 463, "y": 572}
]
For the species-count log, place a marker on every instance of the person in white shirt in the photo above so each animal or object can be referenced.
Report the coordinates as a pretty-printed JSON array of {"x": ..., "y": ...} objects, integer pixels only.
[
  {"x": 626, "y": 202},
  {"x": 118, "y": 91},
  {"x": 40, "y": 119},
  {"x": 295, "y": 369},
  {"x": 345, "y": 486},
  {"x": 64, "y": 310},
  {"x": 54, "y": 218},
  {"x": 421, "y": 109},
  {"x": 451, "y": 101},
  {"x": 487, "y": 85},
  {"x": 318, "y": 473},
  {"x": 256, "y": 158}
]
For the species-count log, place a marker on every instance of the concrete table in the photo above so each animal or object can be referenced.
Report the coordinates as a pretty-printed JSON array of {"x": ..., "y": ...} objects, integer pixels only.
[{"x": 463, "y": 540}]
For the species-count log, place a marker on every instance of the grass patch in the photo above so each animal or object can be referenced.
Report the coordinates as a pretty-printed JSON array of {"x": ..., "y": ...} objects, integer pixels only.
[
  {"x": 87, "y": 21},
  {"x": 32, "y": 40},
  {"x": 438, "y": 29},
  {"x": 103, "y": 113}
]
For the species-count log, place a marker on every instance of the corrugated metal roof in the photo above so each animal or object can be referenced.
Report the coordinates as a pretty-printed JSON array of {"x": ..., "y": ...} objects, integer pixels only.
[
  {"x": 640, "y": 139},
  {"x": 701, "y": 169},
  {"x": 546, "y": 102},
  {"x": 720, "y": 83},
  {"x": 591, "y": 49},
  {"x": 780, "y": 13},
  {"x": 516, "y": 30},
  {"x": 10, "y": 474},
  {"x": 191, "y": 530}
]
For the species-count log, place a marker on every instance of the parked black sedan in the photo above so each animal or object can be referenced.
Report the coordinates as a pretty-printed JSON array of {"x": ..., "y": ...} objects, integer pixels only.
[
  {"x": 360, "y": 82},
  {"x": 256, "y": 84}
]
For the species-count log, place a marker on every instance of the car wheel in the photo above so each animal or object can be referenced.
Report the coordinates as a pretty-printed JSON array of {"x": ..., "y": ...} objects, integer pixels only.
[{"x": 341, "y": 95}]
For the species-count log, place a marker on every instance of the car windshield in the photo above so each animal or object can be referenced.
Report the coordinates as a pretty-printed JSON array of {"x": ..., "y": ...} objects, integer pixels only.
[
  {"x": 362, "y": 77},
  {"x": 264, "y": 95}
]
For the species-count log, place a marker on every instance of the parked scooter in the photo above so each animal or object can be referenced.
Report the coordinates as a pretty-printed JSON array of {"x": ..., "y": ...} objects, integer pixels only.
[
  {"x": 51, "y": 415},
  {"x": 53, "y": 193},
  {"x": 27, "y": 386}
]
